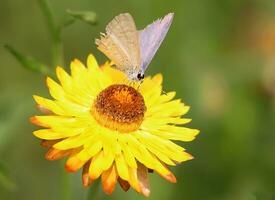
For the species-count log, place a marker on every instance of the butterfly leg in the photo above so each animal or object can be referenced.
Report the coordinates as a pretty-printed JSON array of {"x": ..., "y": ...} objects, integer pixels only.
[{"x": 139, "y": 84}]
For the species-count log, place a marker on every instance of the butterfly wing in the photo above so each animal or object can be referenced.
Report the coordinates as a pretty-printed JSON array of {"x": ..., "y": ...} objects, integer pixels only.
[
  {"x": 151, "y": 38},
  {"x": 121, "y": 43}
]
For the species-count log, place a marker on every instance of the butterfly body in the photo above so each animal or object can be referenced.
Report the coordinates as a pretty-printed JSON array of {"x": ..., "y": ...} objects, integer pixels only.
[
  {"x": 135, "y": 75},
  {"x": 132, "y": 50}
]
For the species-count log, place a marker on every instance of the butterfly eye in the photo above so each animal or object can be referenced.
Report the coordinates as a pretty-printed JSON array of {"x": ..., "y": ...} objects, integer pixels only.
[{"x": 140, "y": 76}]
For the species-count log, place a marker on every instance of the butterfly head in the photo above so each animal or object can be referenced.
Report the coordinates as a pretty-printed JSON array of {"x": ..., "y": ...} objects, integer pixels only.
[
  {"x": 136, "y": 75},
  {"x": 140, "y": 76}
]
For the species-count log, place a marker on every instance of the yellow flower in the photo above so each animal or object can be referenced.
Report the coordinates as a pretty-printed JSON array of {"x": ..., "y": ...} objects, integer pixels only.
[{"x": 111, "y": 128}]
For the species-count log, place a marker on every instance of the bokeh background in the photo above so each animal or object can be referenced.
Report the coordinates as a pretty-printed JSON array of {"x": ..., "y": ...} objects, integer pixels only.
[{"x": 219, "y": 56}]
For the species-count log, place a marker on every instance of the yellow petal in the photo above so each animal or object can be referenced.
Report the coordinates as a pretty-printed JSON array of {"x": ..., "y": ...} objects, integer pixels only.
[
  {"x": 78, "y": 70},
  {"x": 91, "y": 61},
  {"x": 177, "y": 133},
  {"x": 148, "y": 85},
  {"x": 161, "y": 156},
  {"x": 129, "y": 157},
  {"x": 169, "y": 176},
  {"x": 71, "y": 92},
  {"x": 122, "y": 167},
  {"x": 144, "y": 156},
  {"x": 152, "y": 97},
  {"x": 166, "y": 147},
  {"x": 108, "y": 157},
  {"x": 82, "y": 80},
  {"x": 96, "y": 168},
  {"x": 117, "y": 76},
  {"x": 55, "y": 89},
  {"x": 139, "y": 152},
  {"x": 171, "y": 108},
  {"x": 50, "y": 105},
  {"x": 166, "y": 97},
  {"x": 53, "y": 120},
  {"x": 64, "y": 78},
  {"x": 156, "y": 122},
  {"x": 133, "y": 179},
  {"x": 73, "y": 109},
  {"x": 93, "y": 149},
  {"x": 48, "y": 134},
  {"x": 73, "y": 142},
  {"x": 157, "y": 79}
]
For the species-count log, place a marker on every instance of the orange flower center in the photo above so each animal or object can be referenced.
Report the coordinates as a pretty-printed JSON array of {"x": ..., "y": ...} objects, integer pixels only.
[{"x": 119, "y": 107}]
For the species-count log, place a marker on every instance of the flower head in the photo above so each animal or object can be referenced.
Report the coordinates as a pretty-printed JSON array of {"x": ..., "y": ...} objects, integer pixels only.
[{"x": 113, "y": 129}]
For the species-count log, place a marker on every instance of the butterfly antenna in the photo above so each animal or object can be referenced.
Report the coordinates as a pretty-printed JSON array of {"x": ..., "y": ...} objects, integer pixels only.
[{"x": 139, "y": 83}]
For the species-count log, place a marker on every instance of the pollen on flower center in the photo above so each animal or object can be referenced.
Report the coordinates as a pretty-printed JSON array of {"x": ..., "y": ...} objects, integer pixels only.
[{"x": 119, "y": 107}]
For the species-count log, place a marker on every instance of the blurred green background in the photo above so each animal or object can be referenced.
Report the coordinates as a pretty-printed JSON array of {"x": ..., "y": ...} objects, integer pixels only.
[{"x": 219, "y": 56}]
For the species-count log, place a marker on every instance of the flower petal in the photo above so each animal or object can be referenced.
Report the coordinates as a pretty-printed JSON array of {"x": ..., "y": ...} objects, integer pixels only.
[
  {"x": 49, "y": 134},
  {"x": 73, "y": 142},
  {"x": 142, "y": 175},
  {"x": 91, "y": 61},
  {"x": 122, "y": 167},
  {"x": 176, "y": 133},
  {"x": 86, "y": 181},
  {"x": 55, "y": 154},
  {"x": 49, "y": 105},
  {"x": 109, "y": 179},
  {"x": 133, "y": 179},
  {"x": 124, "y": 184},
  {"x": 89, "y": 152},
  {"x": 96, "y": 167},
  {"x": 129, "y": 157}
]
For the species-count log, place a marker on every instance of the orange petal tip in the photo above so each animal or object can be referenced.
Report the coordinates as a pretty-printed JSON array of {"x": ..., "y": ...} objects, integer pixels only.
[
  {"x": 146, "y": 192},
  {"x": 170, "y": 177},
  {"x": 35, "y": 121},
  {"x": 44, "y": 110},
  {"x": 86, "y": 181},
  {"x": 73, "y": 164},
  {"x": 191, "y": 157},
  {"x": 108, "y": 189},
  {"x": 70, "y": 168},
  {"x": 50, "y": 155}
]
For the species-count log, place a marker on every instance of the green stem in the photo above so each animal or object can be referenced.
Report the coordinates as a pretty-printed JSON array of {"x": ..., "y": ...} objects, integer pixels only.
[
  {"x": 57, "y": 53},
  {"x": 54, "y": 30}
]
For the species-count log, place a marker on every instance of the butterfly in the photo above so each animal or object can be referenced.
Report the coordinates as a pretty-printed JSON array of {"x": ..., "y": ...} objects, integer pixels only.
[{"x": 132, "y": 50}]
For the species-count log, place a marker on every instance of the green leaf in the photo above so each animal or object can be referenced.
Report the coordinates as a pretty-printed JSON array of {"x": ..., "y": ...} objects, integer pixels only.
[
  {"x": 28, "y": 62},
  {"x": 86, "y": 16}
]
